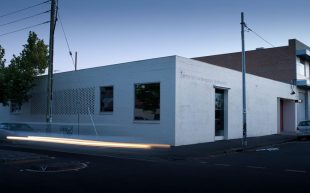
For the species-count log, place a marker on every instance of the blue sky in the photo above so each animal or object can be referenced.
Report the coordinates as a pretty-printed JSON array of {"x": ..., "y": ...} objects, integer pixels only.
[{"x": 106, "y": 32}]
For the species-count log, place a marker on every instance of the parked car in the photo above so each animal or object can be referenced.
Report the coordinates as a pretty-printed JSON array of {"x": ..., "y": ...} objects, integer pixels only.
[
  {"x": 7, "y": 129},
  {"x": 303, "y": 129},
  {"x": 16, "y": 127}
]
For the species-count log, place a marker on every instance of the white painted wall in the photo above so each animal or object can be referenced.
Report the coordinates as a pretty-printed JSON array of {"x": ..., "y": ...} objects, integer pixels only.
[
  {"x": 121, "y": 122},
  {"x": 195, "y": 114},
  {"x": 301, "y": 108},
  {"x": 4, "y": 113},
  {"x": 186, "y": 100}
]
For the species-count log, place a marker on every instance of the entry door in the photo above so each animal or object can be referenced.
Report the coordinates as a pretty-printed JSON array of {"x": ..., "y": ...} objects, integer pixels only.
[
  {"x": 219, "y": 112},
  {"x": 301, "y": 108},
  {"x": 281, "y": 116}
]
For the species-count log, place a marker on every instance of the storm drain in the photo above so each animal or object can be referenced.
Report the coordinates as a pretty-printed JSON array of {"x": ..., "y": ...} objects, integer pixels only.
[{"x": 57, "y": 167}]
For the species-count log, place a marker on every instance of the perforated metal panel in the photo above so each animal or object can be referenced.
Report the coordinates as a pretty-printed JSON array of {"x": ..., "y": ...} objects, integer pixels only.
[
  {"x": 66, "y": 102},
  {"x": 38, "y": 103}
]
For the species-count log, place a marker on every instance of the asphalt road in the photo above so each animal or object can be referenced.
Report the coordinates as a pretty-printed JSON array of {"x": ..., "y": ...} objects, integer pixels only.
[{"x": 283, "y": 168}]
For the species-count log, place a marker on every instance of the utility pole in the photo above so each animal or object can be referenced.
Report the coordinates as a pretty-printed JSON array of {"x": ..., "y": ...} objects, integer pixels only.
[
  {"x": 78, "y": 102},
  {"x": 50, "y": 62},
  {"x": 244, "y": 139},
  {"x": 75, "y": 61}
]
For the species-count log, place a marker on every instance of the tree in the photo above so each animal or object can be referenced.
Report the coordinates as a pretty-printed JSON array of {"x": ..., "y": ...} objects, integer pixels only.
[
  {"x": 2, "y": 60},
  {"x": 34, "y": 56},
  {"x": 19, "y": 76},
  {"x": 3, "y": 92}
]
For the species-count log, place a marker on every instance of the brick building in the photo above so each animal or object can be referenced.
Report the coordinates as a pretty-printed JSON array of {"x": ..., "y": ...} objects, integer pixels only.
[{"x": 288, "y": 64}]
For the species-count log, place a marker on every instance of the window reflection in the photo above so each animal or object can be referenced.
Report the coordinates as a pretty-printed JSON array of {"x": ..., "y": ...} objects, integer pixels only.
[
  {"x": 147, "y": 101},
  {"x": 219, "y": 112},
  {"x": 106, "y": 99}
]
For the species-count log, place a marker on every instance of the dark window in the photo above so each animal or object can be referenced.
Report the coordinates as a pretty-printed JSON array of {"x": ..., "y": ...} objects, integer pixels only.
[
  {"x": 106, "y": 99},
  {"x": 303, "y": 61},
  {"x": 304, "y": 123},
  {"x": 219, "y": 112},
  {"x": 147, "y": 101},
  {"x": 15, "y": 107}
]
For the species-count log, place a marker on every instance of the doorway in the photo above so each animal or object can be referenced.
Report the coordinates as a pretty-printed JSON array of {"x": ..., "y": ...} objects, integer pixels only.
[
  {"x": 281, "y": 116},
  {"x": 286, "y": 116},
  {"x": 220, "y": 113}
]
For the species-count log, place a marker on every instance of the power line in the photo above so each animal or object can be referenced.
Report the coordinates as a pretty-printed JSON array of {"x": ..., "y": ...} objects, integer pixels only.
[
  {"x": 13, "y": 12},
  {"x": 70, "y": 53},
  {"x": 28, "y": 27},
  {"x": 21, "y": 19},
  {"x": 259, "y": 36}
]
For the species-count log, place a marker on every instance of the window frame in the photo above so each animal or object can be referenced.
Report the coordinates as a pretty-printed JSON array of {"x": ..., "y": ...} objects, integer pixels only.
[
  {"x": 18, "y": 111},
  {"x": 299, "y": 64},
  {"x": 134, "y": 104},
  {"x": 302, "y": 60},
  {"x": 106, "y": 112}
]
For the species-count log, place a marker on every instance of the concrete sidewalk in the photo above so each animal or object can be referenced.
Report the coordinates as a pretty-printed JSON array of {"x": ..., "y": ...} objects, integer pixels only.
[
  {"x": 229, "y": 146},
  {"x": 174, "y": 153}
]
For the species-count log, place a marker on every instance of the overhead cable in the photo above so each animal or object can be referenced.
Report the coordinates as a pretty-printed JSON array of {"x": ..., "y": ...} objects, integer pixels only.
[
  {"x": 21, "y": 19},
  {"x": 70, "y": 53},
  {"x": 249, "y": 29},
  {"x": 21, "y": 29},
  {"x": 13, "y": 12}
]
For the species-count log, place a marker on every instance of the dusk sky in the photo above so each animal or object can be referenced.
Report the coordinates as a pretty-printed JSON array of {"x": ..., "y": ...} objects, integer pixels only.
[{"x": 106, "y": 32}]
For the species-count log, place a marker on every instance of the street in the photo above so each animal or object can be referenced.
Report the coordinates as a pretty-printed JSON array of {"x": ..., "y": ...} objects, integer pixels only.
[{"x": 280, "y": 168}]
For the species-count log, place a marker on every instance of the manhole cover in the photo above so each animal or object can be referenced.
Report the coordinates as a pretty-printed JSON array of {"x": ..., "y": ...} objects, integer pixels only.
[{"x": 57, "y": 167}]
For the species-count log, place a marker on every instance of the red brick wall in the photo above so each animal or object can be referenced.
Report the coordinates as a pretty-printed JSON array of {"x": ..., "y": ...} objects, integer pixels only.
[{"x": 274, "y": 63}]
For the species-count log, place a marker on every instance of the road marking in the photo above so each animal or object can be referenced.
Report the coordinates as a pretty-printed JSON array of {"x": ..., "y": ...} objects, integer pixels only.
[
  {"x": 47, "y": 169},
  {"x": 269, "y": 149},
  {"x": 226, "y": 165},
  {"x": 256, "y": 167},
  {"x": 296, "y": 171},
  {"x": 203, "y": 162}
]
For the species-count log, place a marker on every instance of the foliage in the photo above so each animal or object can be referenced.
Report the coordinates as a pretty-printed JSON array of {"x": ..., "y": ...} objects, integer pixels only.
[
  {"x": 2, "y": 60},
  {"x": 2, "y": 76},
  {"x": 19, "y": 76}
]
